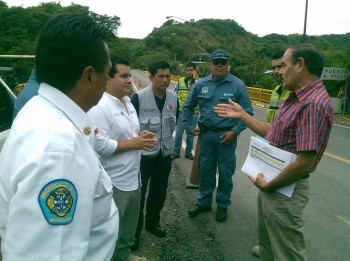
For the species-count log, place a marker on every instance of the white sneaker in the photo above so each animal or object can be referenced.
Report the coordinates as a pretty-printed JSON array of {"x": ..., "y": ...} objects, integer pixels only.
[
  {"x": 137, "y": 258},
  {"x": 256, "y": 251}
]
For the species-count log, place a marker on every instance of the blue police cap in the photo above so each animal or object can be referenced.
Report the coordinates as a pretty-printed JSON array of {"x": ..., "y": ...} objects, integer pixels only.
[{"x": 219, "y": 54}]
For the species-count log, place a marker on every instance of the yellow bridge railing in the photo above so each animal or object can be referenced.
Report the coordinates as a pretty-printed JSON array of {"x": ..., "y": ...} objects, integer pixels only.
[
  {"x": 175, "y": 78},
  {"x": 259, "y": 94},
  {"x": 256, "y": 94}
]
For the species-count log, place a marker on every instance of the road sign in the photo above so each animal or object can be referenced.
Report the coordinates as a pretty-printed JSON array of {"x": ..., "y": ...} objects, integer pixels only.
[{"x": 334, "y": 73}]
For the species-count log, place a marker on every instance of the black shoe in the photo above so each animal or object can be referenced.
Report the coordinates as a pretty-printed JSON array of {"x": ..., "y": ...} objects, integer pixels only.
[
  {"x": 221, "y": 214},
  {"x": 156, "y": 230},
  {"x": 189, "y": 156},
  {"x": 196, "y": 210},
  {"x": 174, "y": 156},
  {"x": 136, "y": 244}
]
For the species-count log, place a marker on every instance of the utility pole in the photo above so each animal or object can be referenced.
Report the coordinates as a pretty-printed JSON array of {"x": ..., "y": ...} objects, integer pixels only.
[{"x": 303, "y": 39}]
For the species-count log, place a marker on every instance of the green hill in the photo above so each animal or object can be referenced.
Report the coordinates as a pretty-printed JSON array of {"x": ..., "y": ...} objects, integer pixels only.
[{"x": 176, "y": 43}]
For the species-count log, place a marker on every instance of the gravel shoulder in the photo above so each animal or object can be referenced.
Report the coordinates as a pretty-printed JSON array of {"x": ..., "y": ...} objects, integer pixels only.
[{"x": 187, "y": 238}]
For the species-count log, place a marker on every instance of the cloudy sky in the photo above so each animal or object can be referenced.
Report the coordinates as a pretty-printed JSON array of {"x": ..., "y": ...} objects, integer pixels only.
[{"x": 260, "y": 17}]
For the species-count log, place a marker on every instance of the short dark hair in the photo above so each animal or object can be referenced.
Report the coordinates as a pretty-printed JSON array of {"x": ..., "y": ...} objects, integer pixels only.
[
  {"x": 190, "y": 64},
  {"x": 117, "y": 60},
  {"x": 312, "y": 57},
  {"x": 278, "y": 54},
  {"x": 66, "y": 45},
  {"x": 158, "y": 65}
]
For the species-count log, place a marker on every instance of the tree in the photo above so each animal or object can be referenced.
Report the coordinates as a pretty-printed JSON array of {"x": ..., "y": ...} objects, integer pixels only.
[{"x": 20, "y": 27}]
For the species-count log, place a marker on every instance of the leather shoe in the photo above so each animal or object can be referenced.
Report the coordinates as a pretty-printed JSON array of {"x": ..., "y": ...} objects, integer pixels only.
[
  {"x": 136, "y": 244},
  {"x": 156, "y": 230},
  {"x": 221, "y": 214},
  {"x": 189, "y": 156},
  {"x": 174, "y": 156},
  {"x": 196, "y": 210}
]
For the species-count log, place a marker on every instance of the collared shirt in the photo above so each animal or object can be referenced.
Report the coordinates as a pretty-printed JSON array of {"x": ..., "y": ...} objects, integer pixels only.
[
  {"x": 304, "y": 121},
  {"x": 114, "y": 123},
  {"x": 48, "y": 166},
  {"x": 207, "y": 93}
]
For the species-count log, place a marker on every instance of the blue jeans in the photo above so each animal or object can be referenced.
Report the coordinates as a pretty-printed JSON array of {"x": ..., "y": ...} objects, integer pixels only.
[{"x": 179, "y": 133}]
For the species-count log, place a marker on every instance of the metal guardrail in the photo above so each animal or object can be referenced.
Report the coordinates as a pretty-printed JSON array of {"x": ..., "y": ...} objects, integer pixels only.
[
  {"x": 256, "y": 94},
  {"x": 259, "y": 94},
  {"x": 17, "y": 56},
  {"x": 19, "y": 88},
  {"x": 175, "y": 78}
]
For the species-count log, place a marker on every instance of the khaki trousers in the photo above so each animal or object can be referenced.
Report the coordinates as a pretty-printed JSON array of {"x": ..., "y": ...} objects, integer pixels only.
[
  {"x": 128, "y": 203},
  {"x": 280, "y": 224}
]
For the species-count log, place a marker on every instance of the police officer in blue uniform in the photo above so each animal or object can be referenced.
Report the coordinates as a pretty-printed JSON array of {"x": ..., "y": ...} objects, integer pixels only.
[{"x": 217, "y": 136}]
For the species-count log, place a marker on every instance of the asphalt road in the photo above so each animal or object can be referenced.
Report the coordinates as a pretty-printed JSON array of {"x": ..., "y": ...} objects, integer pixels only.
[{"x": 327, "y": 215}]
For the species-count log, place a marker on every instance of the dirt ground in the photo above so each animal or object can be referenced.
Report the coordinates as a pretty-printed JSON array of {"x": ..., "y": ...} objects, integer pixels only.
[{"x": 187, "y": 239}]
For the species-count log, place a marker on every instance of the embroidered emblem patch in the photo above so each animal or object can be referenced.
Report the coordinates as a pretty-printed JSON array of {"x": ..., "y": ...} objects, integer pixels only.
[
  {"x": 204, "y": 90},
  {"x": 57, "y": 200},
  {"x": 170, "y": 107}
]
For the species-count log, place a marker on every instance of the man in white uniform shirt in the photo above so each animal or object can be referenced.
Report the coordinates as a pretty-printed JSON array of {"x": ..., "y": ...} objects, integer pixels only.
[
  {"x": 55, "y": 198},
  {"x": 118, "y": 142}
]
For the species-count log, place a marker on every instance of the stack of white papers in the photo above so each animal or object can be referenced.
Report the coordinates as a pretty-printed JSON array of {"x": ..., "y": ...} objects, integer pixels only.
[{"x": 269, "y": 160}]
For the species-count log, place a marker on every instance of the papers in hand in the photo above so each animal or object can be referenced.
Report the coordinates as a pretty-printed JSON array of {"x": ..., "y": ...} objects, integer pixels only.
[{"x": 269, "y": 160}]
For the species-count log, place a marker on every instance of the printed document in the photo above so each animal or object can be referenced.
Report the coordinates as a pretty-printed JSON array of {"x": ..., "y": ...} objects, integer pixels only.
[{"x": 269, "y": 160}]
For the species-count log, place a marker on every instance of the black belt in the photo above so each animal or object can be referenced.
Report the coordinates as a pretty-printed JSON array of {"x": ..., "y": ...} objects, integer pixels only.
[
  {"x": 306, "y": 176},
  {"x": 205, "y": 129},
  {"x": 274, "y": 107}
]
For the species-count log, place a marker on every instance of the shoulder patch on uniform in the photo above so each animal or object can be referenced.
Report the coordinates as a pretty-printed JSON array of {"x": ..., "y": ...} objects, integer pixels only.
[
  {"x": 204, "y": 90},
  {"x": 57, "y": 200}
]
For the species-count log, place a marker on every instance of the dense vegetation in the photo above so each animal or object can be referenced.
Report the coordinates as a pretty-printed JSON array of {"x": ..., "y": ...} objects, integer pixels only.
[{"x": 174, "y": 42}]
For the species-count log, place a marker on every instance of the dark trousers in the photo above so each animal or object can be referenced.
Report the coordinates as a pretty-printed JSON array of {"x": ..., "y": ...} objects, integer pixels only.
[
  {"x": 155, "y": 171},
  {"x": 215, "y": 156}
]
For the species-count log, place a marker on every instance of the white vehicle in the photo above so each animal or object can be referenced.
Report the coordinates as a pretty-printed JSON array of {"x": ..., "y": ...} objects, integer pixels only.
[{"x": 7, "y": 100}]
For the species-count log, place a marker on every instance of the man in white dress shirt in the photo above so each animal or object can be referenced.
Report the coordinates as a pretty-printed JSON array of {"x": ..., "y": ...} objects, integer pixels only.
[
  {"x": 118, "y": 142},
  {"x": 55, "y": 197}
]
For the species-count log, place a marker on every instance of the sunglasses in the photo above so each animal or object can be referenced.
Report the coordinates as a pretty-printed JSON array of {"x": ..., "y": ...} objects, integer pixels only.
[{"x": 219, "y": 61}]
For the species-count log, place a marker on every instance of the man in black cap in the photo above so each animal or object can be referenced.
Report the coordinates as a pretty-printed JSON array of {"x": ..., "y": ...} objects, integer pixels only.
[{"x": 217, "y": 136}]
